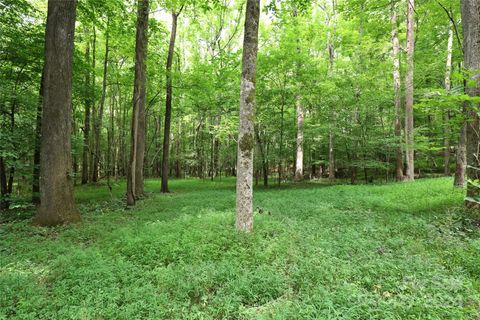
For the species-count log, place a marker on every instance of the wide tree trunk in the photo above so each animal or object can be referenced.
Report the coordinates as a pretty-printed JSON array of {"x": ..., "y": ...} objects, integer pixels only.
[
  {"x": 138, "y": 114},
  {"x": 57, "y": 205},
  {"x": 244, "y": 203},
  {"x": 446, "y": 116},
  {"x": 471, "y": 49},
  {"x": 409, "y": 138},
  {"x": 168, "y": 105},
  {"x": 398, "y": 95}
]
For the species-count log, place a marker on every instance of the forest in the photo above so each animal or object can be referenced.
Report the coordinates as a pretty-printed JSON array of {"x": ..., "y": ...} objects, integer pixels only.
[{"x": 240, "y": 159}]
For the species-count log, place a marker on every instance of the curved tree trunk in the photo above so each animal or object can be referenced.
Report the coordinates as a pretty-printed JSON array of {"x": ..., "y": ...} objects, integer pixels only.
[
  {"x": 138, "y": 114},
  {"x": 57, "y": 204},
  {"x": 244, "y": 203}
]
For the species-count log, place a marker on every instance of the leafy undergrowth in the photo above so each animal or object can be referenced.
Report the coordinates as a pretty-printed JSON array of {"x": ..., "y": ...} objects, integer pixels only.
[{"x": 397, "y": 251}]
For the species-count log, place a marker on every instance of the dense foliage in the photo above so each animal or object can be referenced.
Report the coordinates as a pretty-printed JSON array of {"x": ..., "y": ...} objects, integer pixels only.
[{"x": 350, "y": 100}]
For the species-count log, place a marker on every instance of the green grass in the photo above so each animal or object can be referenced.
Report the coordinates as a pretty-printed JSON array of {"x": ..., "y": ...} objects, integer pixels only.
[{"x": 397, "y": 251}]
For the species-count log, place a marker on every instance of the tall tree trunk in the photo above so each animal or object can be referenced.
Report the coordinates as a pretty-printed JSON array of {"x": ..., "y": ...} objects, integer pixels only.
[
  {"x": 446, "y": 116},
  {"x": 398, "y": 98},
  {"x": 138, "y": 114},
  {"x": 57, "y": 205},
  {"x": 99, "y": 119},
  {"x": 168, "y": 105},
  {"x": 471, "y": 43},
  {"x": 86, "y": 127},
  {"x": 299, "y": 140},
  {"x": 244, "y": 203},
  {"x": 36, "y": 153},
  {"x": 93, "y": 112},
  {"x": 409, "y": 138},
  {"x": 331, "y": 68},
  {"x": 300, "y": 116}
]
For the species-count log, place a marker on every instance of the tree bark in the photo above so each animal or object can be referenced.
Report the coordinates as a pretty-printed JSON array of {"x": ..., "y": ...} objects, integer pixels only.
[
  {"x": 409, "y": 126},
  {"x": 398, "y": 95},
  {"x": 299, "y": 141},
  {"x": 446, "y": 116},
  {"x": 168, "y": 105},
  {"x": 244, "y": 202},
  {"x": 57, "y": 205},
  {"x": 138, "y": 114},
  {"x": 471, "y": 43},
  {"x": 300, "y": 115}
]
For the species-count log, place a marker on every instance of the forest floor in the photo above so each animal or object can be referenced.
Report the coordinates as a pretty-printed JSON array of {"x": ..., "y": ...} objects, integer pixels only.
[{"x": 395, "y": 251}]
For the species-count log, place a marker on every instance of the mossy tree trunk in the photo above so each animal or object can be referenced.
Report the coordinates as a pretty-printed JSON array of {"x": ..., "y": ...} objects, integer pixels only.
[{"x": 244, "y": 219}]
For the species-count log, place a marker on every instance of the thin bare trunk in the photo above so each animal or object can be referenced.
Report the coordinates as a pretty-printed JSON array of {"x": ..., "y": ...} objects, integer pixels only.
[
  {"x": 168, "y": 105},
  {"x": 331, "y": 69},
  {"x": 138, "y": 102},
  {"x": 446, "y": 116},
  {"x": 244, "y": 203},
  {"x": 86, "y": 127},
  {"x": 397, "y": 91},
  {"x": 299, "y": 141},
  {"x": 409, "y": 126},
  {"x": 99, "y": 119}
]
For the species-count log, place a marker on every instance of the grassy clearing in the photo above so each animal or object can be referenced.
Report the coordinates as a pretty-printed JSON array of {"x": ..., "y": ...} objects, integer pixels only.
[{"x": 399, "y": 251}]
